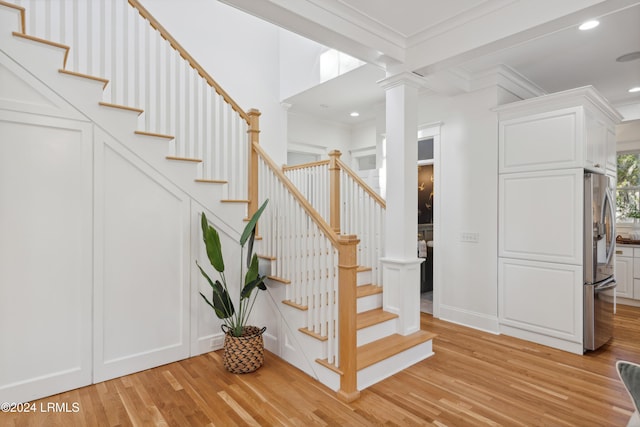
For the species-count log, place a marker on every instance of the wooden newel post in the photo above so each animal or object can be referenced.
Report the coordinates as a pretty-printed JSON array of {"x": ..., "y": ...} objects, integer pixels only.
[
  {"x": 347, "y": 279},
  {"x": 334, "y": 188},
  {"x": 254, "y": 138}
]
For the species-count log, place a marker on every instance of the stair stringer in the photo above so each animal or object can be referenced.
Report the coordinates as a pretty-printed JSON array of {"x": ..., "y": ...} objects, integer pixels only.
[{"x": 43, "y": 63}]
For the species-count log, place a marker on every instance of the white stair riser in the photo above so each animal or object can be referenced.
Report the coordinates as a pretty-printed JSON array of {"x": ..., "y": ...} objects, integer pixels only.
[
  {"x": 369, "y": 302},
  {"x": 377, "y": 331},
  {"x": 386, "y": 368},
  {"x": 364, "y": 277}
]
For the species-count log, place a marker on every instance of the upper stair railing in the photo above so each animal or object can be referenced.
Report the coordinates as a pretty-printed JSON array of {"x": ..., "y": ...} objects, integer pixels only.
[
  {"x": 148, "y": 69},
  {"x": 347, "y": 203}
]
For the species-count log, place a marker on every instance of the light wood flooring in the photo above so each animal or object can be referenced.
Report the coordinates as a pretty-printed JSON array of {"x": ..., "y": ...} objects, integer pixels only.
[{"x": 474, "y": 379}]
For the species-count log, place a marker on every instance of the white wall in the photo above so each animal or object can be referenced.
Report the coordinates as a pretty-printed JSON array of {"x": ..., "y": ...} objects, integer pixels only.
[
  {"x": 469, "y": 200},
  {"x": 319, "y": 136},
  {"x": 239, "y": 51},
  {"x": 299, "y": 63}
]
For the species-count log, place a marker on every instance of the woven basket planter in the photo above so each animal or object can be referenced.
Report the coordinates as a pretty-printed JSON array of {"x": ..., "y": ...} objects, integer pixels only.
[{"x": 243, "y": 354}]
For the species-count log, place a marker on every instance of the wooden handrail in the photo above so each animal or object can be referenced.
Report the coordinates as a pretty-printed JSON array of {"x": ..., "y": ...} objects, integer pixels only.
[
  {"x": 320, "y": 222},
  {"x": 305, "y": 165},
  {"x": 363, "y": 184},
  {"x": 184, "y": 54}
]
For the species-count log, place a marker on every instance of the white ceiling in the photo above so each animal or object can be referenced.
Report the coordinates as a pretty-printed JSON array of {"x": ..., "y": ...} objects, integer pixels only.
[{"x": 553, "y": 54}]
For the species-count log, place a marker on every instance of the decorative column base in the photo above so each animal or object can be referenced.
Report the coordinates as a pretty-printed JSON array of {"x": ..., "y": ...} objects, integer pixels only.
[{"x": 401, "y": 296}]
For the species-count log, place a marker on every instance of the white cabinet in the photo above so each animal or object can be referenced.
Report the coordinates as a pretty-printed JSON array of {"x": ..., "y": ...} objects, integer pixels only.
[
  {"x": 543, "y": 299},
  {"x": 545, "y": 145},
  {"x": 541, "y": 216},
  {"x": 571, "y": 129},
  {"x": 628, "y": 275},
  {"x": 624, "y": 272}
]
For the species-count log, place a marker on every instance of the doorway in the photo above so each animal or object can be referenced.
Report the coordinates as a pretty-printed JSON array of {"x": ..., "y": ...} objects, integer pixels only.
[{"x": 428, "y": 207}]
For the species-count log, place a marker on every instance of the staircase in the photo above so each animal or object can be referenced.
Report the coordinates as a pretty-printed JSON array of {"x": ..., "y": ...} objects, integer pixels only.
[{"x": 329, "y": 301}]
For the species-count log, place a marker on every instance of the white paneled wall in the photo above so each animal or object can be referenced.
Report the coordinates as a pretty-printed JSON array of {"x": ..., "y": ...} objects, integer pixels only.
[
  {"x": 45, "y": 255},
  {"x": 142, "y": 265}
]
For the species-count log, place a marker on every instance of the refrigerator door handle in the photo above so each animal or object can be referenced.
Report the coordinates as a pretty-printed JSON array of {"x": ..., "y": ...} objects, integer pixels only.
[
  {"x": 606, "y": 285},
  {"x": 608, "y": 200}
]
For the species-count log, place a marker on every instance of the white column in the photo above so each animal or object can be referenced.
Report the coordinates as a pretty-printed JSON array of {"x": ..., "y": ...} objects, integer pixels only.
[{"x": 400, "y": 265}]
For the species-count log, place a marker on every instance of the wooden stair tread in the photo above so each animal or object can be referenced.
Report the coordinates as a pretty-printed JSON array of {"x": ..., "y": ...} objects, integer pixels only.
[
  {"x": 366, "y": 290},
  {"x": 363, "y": 268},
  {"x": 298, "y": 306},
  {"x": 183, "y": 159},
  {"x": 279, "y": 279},
  {"x": 153, "y": 134},
  {"x": 122, "y": 107},
  {"x": 384, "y": 348},
  {"x": 373, "y": 317},
  {"x": 313, "y": 334},
  {"x": 104, "y": 81},
  {"x": 211, "y": 181}
]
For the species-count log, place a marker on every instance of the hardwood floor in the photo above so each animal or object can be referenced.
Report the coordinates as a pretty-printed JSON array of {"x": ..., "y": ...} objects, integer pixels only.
[{"x": 474, "y": 379}]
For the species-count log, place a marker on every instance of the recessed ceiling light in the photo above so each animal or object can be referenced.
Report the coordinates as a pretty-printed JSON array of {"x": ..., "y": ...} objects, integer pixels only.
[
  {"x": 354, "y": 114},
  {"x": 634, "y": 89},
  {"x": 589, "y": 25}
]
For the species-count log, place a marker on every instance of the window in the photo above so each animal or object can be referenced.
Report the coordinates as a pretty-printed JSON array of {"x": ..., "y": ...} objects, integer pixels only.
[{"x": 628, "y": 192}]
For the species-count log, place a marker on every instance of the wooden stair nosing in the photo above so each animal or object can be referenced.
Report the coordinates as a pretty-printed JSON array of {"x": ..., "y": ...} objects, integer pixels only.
[
  {"x": 47, "y": 42},
  {"x": 376, "y": 351},
  {"x": 373, "y": 317},
  {"x": 267, "y": 257},
  {"x": 384, "y": 348},
  {"x": 279, "y": 279},
  {"x": 367, "y": 290},
  {"x": 295, "y": 305},
  {"x": 153, "y": 134},
  {"x": 313, "y": 334},
  {"x": 362, "y": 268},
  {"x": 211, "y": 181},
  {"x": 331, "y": 366},
  {"x": 121, "y": 107},
  {"x": 183, "y": 159},
  {"x": 102, "y": 80}
]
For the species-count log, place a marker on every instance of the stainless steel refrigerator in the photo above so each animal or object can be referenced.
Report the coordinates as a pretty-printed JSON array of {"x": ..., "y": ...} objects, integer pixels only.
[{"x": 599, "y": 259}]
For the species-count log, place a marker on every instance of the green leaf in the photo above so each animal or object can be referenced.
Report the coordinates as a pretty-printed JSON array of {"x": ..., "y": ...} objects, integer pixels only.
[
  {"x": 250, "y": 248},
  {"x": 205, "y": 275},
  {"x": 252, "y": 272},
  {"x": 248, "y": 288},
  {"x": 222, "y": 304},
  {"x": 251, "y": 225},
  {"x": 212, "y": 243}
]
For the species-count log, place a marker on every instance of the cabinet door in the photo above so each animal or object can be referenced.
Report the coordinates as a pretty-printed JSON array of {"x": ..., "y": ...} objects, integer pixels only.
[
  {"x": 595, "y": 150},
  {"x": 624, "y": 277},
  {"x": 541, "y": 216},
  {"x": 541, "y": 298},
  {"x": 550, "y": 140}
]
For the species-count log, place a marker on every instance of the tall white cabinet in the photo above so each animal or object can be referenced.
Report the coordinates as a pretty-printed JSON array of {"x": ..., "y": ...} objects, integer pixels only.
[{"x": 545, "y": 146}]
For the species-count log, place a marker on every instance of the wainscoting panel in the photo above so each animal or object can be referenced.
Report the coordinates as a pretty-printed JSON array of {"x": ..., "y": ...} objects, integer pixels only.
[
  {"x": 45, "y": 255},
  {"x": 142, "y": 273}
]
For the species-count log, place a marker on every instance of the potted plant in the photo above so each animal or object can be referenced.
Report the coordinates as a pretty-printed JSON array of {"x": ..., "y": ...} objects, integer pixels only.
[{"x": 243, "y": 344}]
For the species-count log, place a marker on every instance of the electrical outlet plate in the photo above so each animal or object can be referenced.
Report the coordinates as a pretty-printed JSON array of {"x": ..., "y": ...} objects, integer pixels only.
[{"x": 469, "y": 237}]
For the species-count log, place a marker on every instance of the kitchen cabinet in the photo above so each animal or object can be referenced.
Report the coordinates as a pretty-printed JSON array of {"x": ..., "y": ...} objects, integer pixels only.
[
  {"x": 625, "y": 271},
  {"x": 545, "y": 146},
  {"x": 571, "y": 129},
  {"x": 628, "y": 274}
]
